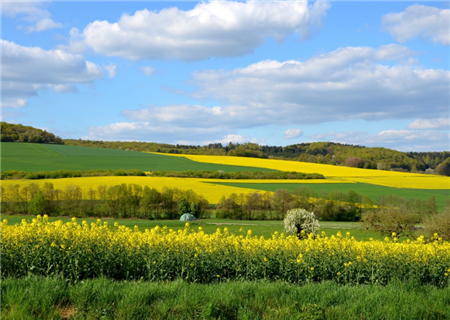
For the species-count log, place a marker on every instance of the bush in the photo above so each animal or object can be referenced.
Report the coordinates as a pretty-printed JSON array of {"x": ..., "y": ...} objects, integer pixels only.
[
  {"x": 301, "y": 222},
  {"x": 439, "y": 223},
  {"x": 389, "y": 220}
]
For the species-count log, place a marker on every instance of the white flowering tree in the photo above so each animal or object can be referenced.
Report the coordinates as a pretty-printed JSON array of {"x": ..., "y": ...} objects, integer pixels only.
[{"x": 298, "y": 220}]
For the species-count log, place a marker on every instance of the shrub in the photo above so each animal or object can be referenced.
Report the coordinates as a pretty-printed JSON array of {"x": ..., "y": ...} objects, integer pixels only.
[
  {"x": 301, "y": 222},
  {"x": 439, "y": 223},
  {"x": 400, "y": 220}
]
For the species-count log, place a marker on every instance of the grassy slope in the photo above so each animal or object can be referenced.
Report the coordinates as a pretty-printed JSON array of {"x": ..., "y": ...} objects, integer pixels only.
[
  {"x": 47, "y": 298},
  {"x": 370, "y": 190},
  {"x": 30, "y": 157}
]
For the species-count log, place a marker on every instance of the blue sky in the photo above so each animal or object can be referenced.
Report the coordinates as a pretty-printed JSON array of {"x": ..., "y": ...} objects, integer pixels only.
[{"x": 275, "y": 73}]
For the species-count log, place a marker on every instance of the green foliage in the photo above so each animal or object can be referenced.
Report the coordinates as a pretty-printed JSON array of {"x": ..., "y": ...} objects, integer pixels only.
[
  {"x": 395, "y": 221},
  {"x": 19, "y": 133},
  {"x": 38, "y": 205}
]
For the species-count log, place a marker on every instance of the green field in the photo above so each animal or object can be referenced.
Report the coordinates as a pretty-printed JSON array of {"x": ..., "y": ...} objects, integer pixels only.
[
  {"x": 33, "y": 157},
  {"x": 370, "y": 190}
]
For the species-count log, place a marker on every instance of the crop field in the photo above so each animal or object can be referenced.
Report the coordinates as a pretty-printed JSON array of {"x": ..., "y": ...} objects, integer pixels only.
[
  {"x": 81, "y": 251},
  {"x": 375, "y": 177},
  {"x": 33, "y": 157},
  {"x": 372, "y": 191},
  {"x": 211, "y": 192}
]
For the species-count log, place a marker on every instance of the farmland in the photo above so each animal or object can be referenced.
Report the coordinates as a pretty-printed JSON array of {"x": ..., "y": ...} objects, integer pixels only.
[
  {"x": 375, "y": 177},
  {"x": 33, "y": 157},
  {"x": 89, "y": 261}
]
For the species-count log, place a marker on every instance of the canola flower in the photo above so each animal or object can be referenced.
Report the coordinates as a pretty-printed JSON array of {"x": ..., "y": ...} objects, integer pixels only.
[
  {"x": 79, "y": 251},
  {"x": 348, "y": 174}
]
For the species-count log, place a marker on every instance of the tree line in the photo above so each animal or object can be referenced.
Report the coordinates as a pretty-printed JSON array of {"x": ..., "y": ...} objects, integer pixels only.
[
  {"x": 204, "y": 174},
  {"x": 135, "y": 201},
  {"x": 117, "y": 201}
]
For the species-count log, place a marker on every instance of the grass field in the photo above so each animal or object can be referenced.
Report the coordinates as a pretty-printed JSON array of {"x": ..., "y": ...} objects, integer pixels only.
[
  {"x": 33, "y": 157},
  {"x": 55, "y": 298},
  {"x": 259, "y": 228}
]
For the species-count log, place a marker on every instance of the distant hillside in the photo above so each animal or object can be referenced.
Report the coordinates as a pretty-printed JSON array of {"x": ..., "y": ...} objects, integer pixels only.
[
  {"x": 316, "y": 152},
  {"x": 19, "y": 133}
]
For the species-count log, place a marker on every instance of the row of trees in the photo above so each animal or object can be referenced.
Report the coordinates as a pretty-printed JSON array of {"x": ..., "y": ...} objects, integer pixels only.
[
  {"x": 118, "y": 201},
  {"x": 14, "y": 174},
  {"x": 333, "y": 206},
  {"x": 131, "y": 200}
]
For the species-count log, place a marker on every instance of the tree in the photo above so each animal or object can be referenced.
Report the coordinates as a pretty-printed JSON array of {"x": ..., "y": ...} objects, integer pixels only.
[
  {"x": 301, "y": 223},
  {"x": 38, "y": 204}
]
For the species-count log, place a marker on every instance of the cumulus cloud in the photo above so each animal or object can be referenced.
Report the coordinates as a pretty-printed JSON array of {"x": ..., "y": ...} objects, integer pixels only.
[
  {"x": 419, "y": 21},
  {"x": 348, "y": 83},
  {"x": 112, "y": 70},
  {"x": 211, "y": 29},
  {"x": 403, "y": 140},
  {"x": 439, "y": 123},
  {"x": 26, "y": 70},
  {"x": 293, "y": 133},
  {"x": 32, "y": 13}
]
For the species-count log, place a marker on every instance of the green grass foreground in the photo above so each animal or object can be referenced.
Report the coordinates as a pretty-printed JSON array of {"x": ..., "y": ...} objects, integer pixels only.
[{"x": 54, "y": 298}]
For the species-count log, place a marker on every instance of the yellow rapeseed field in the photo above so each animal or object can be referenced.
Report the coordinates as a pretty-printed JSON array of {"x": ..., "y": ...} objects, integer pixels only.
[
  {"x": 341, "y": 173},
  {"x": 211, "y": 192},
  {"x": 80, "y": 251}
]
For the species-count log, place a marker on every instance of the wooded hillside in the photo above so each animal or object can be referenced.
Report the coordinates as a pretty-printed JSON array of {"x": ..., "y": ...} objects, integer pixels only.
[{"x": 18, "y": 133}]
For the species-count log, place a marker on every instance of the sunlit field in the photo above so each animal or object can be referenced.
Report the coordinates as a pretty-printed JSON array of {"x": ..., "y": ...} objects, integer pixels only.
[
  {"x": 210, "y": 192},
  {"x": 377, "y": 177},
  {"x": 78, "y": 250}
]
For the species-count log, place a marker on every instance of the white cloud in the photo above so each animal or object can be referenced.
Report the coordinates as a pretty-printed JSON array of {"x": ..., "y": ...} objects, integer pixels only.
[
  {"x": 439, "y": 123},
  {"x": 211, "y": 29},
  {"x": 419, "y": 20},
  {"x": 26, "y": 70},
  {"x": 403, "y": 140},
  {"x": 33, "y": 13},
  {"x": 112, "y": 70},
  {"x": 148, "y": 71},
  {"x": 145, "y": 131},
  {"x": 14, "y": 103},
  {"x": 348, "y": 83},
  {"x": 236, "y": 138},
  {"x": 293, "y": 133}
]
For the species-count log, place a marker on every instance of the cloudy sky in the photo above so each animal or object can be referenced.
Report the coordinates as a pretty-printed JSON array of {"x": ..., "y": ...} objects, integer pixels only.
[{"x": 275, "y": 73}]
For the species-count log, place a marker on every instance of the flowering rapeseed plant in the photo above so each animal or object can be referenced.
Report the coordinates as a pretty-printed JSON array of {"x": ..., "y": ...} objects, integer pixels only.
[{"x": 80, "y": 250}]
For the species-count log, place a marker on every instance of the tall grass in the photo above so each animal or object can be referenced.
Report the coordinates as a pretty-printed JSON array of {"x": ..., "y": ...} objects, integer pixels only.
[{"x": 43, "y": 298}]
